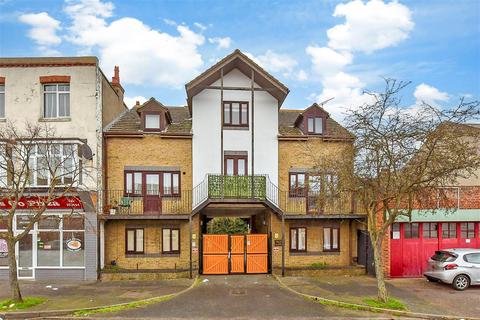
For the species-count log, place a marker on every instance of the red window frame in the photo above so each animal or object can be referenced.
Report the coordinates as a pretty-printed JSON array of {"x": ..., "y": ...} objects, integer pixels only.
[
  {"x": 332, "y": 231},
  {"x": 169, "y": 230},
  {"x": 292, "y": 249},
  {"x": 470, "y": 233},
  {"x": 171, "y": 194},
  {"x": 428, "y": 230},
  {"x": 451, "y": 230},
  {"x": 229, "y": 123}
]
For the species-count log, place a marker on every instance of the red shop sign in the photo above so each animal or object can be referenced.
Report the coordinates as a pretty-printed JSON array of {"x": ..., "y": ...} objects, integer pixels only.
[{"x": 36, "y": 202}]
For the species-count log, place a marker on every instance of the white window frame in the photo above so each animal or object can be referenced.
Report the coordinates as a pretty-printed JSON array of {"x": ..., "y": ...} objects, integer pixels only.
[
  {"x": 57, "y": 97},
  {"x": 157, "y": 116},
  {"x": 3, "y": 171},
  {"x": 34, "y": 156}
]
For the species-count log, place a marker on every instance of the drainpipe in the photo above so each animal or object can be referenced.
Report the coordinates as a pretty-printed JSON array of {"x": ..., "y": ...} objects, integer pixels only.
[
  {"x": 283, "y": 244},
  {"x": 190, "y": 225}
]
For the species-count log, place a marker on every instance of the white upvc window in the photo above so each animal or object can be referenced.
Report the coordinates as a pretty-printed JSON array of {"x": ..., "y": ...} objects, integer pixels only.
[
  {"x": 56, "y": 99},
  {"x": 54, "y": 161},
  {"x": 3, "y": 166},
  {"x": 2, "y": 101}
]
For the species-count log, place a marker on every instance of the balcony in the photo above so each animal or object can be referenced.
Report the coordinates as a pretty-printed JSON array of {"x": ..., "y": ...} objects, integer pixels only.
[
  {"x": 319, "y": 203},
  {"x": 118, "y": 202},
  {"x": 237, "y": 187}
]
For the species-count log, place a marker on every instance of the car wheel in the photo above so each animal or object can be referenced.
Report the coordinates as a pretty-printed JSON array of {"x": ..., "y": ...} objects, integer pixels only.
[{"x": 461, "y": 282}]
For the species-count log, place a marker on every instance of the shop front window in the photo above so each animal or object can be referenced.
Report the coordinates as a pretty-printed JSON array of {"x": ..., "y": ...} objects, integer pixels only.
[
  {"x": 73, "y": 241},
  {"x": 48, "y": 248}
]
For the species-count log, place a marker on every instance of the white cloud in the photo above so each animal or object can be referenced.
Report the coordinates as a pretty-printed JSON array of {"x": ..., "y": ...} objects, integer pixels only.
[
  {"x": 370, "y": 26},
  {"x": 43, "y": 30},
  {"x": 131, "y": 101},
  {"x": 143, "y": 54},
  {"x": 274, "y": 62},
  {"x": 200, "y": 26},
  {"x": 169, "y": 22},
  {"x": 428, "y": 94},
  {"x": 222, "y": 43},
  {"x": 302, "y": 75},
  {"x": 327, "y": 61}
]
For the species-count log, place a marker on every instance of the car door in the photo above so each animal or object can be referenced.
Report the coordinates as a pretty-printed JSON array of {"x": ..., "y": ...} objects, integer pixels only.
[{"x": 473, "y": 264}]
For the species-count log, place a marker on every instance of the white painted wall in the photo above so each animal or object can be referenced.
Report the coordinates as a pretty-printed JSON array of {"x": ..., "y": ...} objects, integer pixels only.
[
  {"x": 24, "y": 103},
  {"x": 206, "y": 126}
]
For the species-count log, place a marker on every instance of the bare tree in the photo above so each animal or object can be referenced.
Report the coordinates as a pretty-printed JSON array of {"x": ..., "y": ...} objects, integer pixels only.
[
  {"x": 404, "y": 157},
  {"x": 36, "y": 169}
]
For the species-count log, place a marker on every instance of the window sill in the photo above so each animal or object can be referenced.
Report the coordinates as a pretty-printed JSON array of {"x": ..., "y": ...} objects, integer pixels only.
[
  {"x": 245, "y": 128},
  {"x": 3, "y": 119},
  {"x": 152, "y": 255},
  {"x": 62, "y": 119}
]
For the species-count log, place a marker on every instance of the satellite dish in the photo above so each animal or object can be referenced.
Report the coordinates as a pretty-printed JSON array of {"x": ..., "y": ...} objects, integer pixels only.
[{"x": 86, "y": 152}]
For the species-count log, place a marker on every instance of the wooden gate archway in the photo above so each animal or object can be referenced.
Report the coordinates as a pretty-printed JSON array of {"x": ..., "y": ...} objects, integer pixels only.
[{"x": 229, "y": 254}]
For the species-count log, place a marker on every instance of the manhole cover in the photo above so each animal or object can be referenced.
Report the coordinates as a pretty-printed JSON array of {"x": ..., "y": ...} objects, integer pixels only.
[{"x": 238, "y": 292}]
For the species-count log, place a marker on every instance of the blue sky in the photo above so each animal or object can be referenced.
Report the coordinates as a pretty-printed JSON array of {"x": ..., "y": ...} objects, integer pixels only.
[{"x": 319, "y": 49}]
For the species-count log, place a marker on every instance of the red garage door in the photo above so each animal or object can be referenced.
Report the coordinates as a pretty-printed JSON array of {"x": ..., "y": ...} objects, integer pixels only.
[{"x": 412, "y": 244}]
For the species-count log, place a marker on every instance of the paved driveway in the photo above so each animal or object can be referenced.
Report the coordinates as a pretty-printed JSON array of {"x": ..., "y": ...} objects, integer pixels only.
[{"x": 238, "y": 297}]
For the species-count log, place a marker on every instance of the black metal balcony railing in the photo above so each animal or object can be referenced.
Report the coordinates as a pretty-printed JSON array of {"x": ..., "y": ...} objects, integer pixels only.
[
  {"x": 121, "y": 202},
  {"x": 319, "y": 203}
]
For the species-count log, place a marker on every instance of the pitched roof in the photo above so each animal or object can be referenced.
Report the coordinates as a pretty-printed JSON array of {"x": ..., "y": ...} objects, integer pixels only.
[
  {"x": 130, "y": 122},
  {"x": 242, "y": 62},
  {"x": 287, "y": 128}
]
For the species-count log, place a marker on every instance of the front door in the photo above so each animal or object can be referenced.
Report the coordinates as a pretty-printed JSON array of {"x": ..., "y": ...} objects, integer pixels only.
[
  {"x": 152, "y": 201},
  {"x": 25, "y": 257}
]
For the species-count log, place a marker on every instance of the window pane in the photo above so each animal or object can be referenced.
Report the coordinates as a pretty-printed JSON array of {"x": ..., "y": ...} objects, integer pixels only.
[
  {"x": 166, "y": 240},
  {"x": 335, "y": 239},
  {"x": 73, "y": 223},
  {"x": 293, "y": 182},
  {"x": 138, "y": 182},
  {"x": 130, "y": 240},
  {"x": 2, "y": 105},
  {"x": 310, "y": 124},
  {"x": 64, "y": 104},
  {"x": 241, "y": 167},
  {"x": 73, "y": 249},
  {"x": 176, "y": 178},
  {"x": 50, "y": 87},
  {"x": 293, "y": 239},
  {"x": 235, "y": 113},
  {"x": 63, "y": 87},
  {"x": 139, "y": 240},
  {"x": 318, "y": 125},
  {"x": 473, "y": 258},
  {"x": 414, "y": 230},
  {"x": 226, "y": 113},
  {"x": 301, "y": 238},
  {"x": 128, "y": 182},
  {"x": 229, "y": 167},
  {"x": 326, "y": 238},
  {"x": 42, "y": 171},
  {"x": 314, "y": 183},
  {"x": 3, "y": 253},
  {"x": 395, "y": 231},
  {"x": 167, "y": 183},
  {"x": 152, "y": 184},
  {"x": 48, "y": 249},
  {"x": 152, "y": 121},
  {"x": 50, "y": 105},
  {"x": 244, "y": 114},
  {"x": 49, "y": 222},
  {"x": 175, "y": 240}
]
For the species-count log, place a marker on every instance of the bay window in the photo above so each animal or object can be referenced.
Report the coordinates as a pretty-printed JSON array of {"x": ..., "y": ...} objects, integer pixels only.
[
  {"x": 56, "y": 100},
  {"x": 298, "y": 239},
  {"x": 331, "y": 239},
  {"x": 53, "y": 163},
  {"x": 170, "y": 240},
  {"x": 2, "y": 100}
]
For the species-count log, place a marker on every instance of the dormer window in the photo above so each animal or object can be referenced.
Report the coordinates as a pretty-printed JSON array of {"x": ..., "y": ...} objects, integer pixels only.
[
  {"x": 152, "y": 121},
  {"x": 315, "y": 125}
]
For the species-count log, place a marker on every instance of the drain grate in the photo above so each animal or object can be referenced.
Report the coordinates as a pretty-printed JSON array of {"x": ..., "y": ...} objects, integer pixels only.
[{"x": 238, "y": 292}]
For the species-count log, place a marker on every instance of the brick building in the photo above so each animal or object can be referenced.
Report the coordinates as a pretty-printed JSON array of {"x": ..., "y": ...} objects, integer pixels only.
[{"x": 231, "y": 152}]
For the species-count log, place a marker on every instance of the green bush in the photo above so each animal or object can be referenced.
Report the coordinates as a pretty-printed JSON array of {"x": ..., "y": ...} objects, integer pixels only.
[{"x": 226, "y": 225}]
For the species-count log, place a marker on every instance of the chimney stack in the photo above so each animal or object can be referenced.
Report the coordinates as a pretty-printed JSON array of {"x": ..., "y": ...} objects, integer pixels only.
[{"x": 116, "y": 83}]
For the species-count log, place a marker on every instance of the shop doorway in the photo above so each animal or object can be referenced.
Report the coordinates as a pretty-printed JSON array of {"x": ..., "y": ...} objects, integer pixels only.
[{"x": 25, "y": 257}]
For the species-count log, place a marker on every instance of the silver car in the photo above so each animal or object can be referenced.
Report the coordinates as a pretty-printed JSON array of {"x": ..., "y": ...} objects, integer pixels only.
[{"x": 458, "y": 267}]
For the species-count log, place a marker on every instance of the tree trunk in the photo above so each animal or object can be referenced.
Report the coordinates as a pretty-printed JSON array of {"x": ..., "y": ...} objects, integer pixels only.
[
  {"x": 377, "y": 256},
  {"x": 13, "y": 276}
]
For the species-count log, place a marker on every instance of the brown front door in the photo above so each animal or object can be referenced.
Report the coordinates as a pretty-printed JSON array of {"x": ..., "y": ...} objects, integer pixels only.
[{"x": 152, "y": 201}]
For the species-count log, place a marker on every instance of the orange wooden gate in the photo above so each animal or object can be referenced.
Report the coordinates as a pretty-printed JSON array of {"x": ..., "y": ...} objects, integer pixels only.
[{"x": 224, "y": 254}]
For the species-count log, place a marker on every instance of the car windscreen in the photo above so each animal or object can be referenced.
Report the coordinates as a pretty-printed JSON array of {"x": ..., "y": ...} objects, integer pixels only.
[{"x": 444, "y": 256}]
